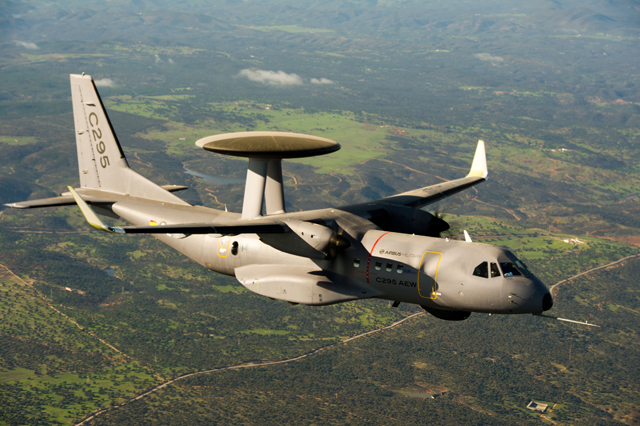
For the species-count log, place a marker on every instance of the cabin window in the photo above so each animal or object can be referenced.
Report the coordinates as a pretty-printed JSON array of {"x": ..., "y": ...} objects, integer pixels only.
[
  {"x": 378, "y": 266},
  {"x": 482, "y": 270},
  {"x": 495, "y": 272},
  {"x": 509, "y": 269},
  {"x": 234, "y": 248},
  {"x": 389, "y": 267},
  {"x": 356, "y": 263},
  {"x": 399, "y": 269}
]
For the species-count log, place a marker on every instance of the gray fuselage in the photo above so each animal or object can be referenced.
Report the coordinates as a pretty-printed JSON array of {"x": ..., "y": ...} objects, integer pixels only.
[{"x": 431, "y": 272}]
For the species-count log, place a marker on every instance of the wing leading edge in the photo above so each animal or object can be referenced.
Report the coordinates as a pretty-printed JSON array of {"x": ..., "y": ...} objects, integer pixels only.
[
  {"x": 236, "y": 227},
  {"x": 421, "y": 197}
]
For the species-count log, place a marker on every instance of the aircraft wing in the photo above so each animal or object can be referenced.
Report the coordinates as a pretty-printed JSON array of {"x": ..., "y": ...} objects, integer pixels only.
[
  {"x": 235, "y": 227},
  {"x": 418, "y": 198},
  {"x": 206, "y": 228}
]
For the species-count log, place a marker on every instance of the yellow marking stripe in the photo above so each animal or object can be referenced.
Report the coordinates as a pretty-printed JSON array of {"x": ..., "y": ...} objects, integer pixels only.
[
  {"x": 227, "y": 248},
  {"x": 434, "y": 292}
]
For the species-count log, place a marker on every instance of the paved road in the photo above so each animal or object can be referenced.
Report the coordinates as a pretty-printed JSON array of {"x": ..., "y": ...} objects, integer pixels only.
[
  {"x": 590, "y": 271},
  {"x": 248, "y": 365}
]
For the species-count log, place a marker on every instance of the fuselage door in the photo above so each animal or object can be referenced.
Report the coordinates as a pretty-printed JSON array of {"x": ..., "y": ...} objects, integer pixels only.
[{"x": 428, "y": 274}]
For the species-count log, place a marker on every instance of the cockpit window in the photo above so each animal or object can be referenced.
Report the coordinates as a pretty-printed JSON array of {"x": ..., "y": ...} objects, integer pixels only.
[
  {"x": 509, "y": 269},
  {"x": 482, "y": 270},
  {"x": 522, "y": 267},
  {"x": 495, "y": 272}
]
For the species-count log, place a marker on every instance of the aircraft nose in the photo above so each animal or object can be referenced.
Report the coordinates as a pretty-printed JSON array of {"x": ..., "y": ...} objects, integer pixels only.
[{"x": 547, "y": 302}]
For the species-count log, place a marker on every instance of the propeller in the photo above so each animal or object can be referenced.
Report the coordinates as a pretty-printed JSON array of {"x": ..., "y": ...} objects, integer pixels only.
[
  {"x": 437, "y": 225},
  {"x": 337, "y": 243}
]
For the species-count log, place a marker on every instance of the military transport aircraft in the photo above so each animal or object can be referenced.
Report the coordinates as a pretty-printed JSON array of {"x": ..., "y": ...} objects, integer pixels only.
[{"x": 386, "y": 249}]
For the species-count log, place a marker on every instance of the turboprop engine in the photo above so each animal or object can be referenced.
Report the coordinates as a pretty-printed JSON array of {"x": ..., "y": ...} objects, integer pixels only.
[
  {"x": 307, "y": 239},
  {"x": 407, "y": 220}
]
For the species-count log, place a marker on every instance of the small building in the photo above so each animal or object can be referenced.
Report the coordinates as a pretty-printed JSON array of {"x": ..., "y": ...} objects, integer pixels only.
[
  {"x": 573, "y": 241},
  {"x": 535, "y": 406}
]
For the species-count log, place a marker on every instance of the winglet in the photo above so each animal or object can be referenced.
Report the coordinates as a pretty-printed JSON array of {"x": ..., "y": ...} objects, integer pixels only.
[
  {"x": 479, "y": 165},
  {"x": 467, "y": 238},
  {"x": 90, "y": 215}
]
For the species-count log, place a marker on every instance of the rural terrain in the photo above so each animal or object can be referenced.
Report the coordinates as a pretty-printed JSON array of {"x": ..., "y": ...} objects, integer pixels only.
[{"x": 90, "y": 321}]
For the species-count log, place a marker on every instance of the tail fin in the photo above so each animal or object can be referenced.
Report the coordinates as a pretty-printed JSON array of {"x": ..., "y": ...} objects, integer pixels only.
[
  {"x": 99, "y": 153},
  {"x": 101, "y": 160}
]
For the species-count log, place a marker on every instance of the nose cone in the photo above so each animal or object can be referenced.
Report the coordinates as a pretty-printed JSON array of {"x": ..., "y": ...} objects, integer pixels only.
[
  {"x": 547, "y": 302},
  {"x": 541, "y": 299}
]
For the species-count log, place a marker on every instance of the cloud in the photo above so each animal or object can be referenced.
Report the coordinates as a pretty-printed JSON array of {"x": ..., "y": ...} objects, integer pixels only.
[
  {"x": 105, "y": 82},
  {"x": 158, "y": 60},
  {"x": 321, "y": 81},
  {"x": 25, "y": 44},
  {"x": 488, "y": 57},
  {"x": 272, "y": 78}
]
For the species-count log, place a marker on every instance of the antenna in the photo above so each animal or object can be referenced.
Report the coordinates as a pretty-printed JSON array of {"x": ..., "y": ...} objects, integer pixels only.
[
  {"x": 266, "y": 150},
  {"x": 566, "y": 320}
]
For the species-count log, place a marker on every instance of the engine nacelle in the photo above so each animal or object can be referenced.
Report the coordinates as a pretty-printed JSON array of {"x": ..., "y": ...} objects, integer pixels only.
[
  {"x": 307, "y": 239},
  {"x": 407, "y": 220}
]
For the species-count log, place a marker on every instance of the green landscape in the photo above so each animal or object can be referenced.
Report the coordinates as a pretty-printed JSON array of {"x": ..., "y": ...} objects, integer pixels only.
[{"x": 90, "y": 321}]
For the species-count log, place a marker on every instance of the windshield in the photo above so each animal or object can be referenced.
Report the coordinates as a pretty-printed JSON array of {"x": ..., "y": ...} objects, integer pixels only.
[
  {"x": 512, "y": 266},
  {"x": 509, "y": 269},
  {"x": 522, "y": 267},
  {"x": 516, "y": 268}
]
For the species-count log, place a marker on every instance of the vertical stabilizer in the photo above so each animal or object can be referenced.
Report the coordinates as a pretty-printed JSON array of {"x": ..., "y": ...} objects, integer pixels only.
[
  {"x": 101, "y": 160},
  {"x": 99, "y": 153}
]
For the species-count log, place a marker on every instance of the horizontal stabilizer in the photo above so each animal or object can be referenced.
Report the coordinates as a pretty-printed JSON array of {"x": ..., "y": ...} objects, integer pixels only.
[
  {"x": 174, "y": 188},
  {"x": 89, "y": 195},
  {"x": 65, "y": 200}
]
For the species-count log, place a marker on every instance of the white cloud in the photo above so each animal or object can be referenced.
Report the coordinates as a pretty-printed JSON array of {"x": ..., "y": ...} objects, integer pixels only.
[
  {"x": 488, "y": 57},
  {"x": 158, "y": 60},
  {"x": 272, "y": 78},
  {"x": 321, "y": 81},
  {"x": 105, "y": 82},
  {"x": 25, "y": 44},
  {"x": 170, "y": 60}
]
